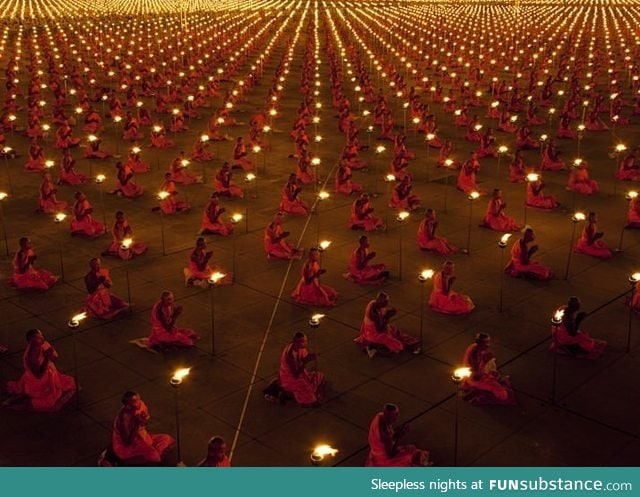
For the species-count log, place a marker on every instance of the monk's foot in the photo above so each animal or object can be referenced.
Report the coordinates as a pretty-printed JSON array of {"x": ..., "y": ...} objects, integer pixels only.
[
  {"x": 370, "y": 352},
  {"x": 416, "y": 351}
]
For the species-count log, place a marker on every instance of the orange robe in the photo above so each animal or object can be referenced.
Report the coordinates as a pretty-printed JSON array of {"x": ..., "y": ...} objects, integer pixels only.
[
  {"x": 310, "y": 291},
  {"x": 404, "y": 456},
  {"x": 447, "y": 301},
  {"x": 183, "y": 337},
  {"x": 26, "y": 277},
  {"x": 295, "y": 379}
]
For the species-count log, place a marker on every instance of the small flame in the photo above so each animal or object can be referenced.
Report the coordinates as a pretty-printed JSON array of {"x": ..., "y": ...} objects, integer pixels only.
[
  {"x": 316, "y": 161},
  {"x": 533, "y": 177},
  {"x": 3, "y": 195},
  {"x": 157, "y": 128},
  {"x": 634, "y": 278},
  {"x": 180, "y": 375},
  {"x": 430, "y": 136},
  {"x": 136, "y": 150},
  {"x": 126, "y": 243},
  {"x": 204, "y": 138},
  {"x": 426, "y": 274},
  {"x": 162, "y": 195},
  {"x": 558, "y": 315},
  {"x": 59, "y": 217},
  {"x": 317, "y": 317},
  {"x": 579, "y": 216},
  {"x": 478, "y": 127},
  {"x": 215, "y": 277},
  {"x": 380, "y": 149},
  {"x": 256, "y": 149},
  {"x": 323, "y": 195},
  {"x": 621, "y": 147},
  {"x": 504, "y": 238},
  {"x": 632, "y": 194},
  {"x": 543, "y": 138},
  {"x": 324, "y": 244},
  {"x": 403, "y": 215},
  {"x": 92, "y": 138},
  {"x": 474, "y": 195},
  {"x": 250, "y": 177},
  {"x": 461, "y": 373},
  {"x": 78, "y": 318},
  {"x": 321, "y": 451},
  {"x": 237, "y": 217},
  {"x": 448, "y": 162},
  {"x": 503, "y": 149},
  {"x": 100, "y": 178}
]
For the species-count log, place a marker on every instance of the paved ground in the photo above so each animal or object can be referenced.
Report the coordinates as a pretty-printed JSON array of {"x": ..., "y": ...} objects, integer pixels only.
[{"x": 595, "y": 419}]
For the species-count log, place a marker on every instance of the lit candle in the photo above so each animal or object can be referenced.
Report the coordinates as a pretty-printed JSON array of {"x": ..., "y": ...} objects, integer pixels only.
[
  {"x": 75, "y": 321},
  {"x": 324, "y": 245},
  {"x": 426, "y": 274},
  {"x": 179, "y": 375},
  {"x": 236, "y": 218},
  {"x": 215, "y": 277}
]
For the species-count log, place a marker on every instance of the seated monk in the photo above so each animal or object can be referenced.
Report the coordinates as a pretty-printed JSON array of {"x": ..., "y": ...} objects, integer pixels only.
[
  {"x": 309, "y": 290},
  {"x": 467, "y": 175},
  {"x": 27, "y": 277},
  {"x": 633, "y": 212},
  {"x": 590, "y": 242},
  {"x": 82, "y": 223},
  {"x": 629, "y": 169},
  {"x": 68, "y": 173},
  {"x": 122, "y": 244},
  {"x": 360, "y": 271},
  {"x": 495, "y": 218},
  {"x": 216, "y": 454},
  {"x": 180, "y": 172},
  {"x": 305, "y": 170},
  {"x": 537, "y": 198},
  {"x": 579, "y": 180},
  {"x": 517, "y": 168},
  {"x": 93, "y": 151},
  {"x": 402, "y": 198},
  {"x": 241, "y": 156},
  {"x": 289, "y": 201},
  {"x": 48, "y": 203},
  {"x": 211, "y": 219},
  {"x": 344, "y": 183},
  {"x": 201, "y": 151},
  {"x": 294, "y": 377},
  {"x": 65, "y": 138},
  {"x": 376, "y": 331},
  {"x": 36, "y": 161},
  {"x": 135, "y": 163},
  {"x": 125, "y": 185},
  {"x": 223, "y": 184},
  {"x": 362, "y": 217},
  {"x": 521, "y": 265},
  {"x": 551, "y": 158},
  {"x": 568, "y": 338},
  {"x": 159, "y": 138},
  {"x": 485, "y": 385},
  {"x": 384, "y": 450},
  {"x": 275, "y": 244},
  {"x": 41, "y": 384},
  {"x": 443, "y": 299},
  {"x": 169, "y": 198},
  {"x": 427, "y": 239},
  {"x": 132, "y": 443},
  {"x": 101, "y": 303},
  {"x": 164, "y": 332}
]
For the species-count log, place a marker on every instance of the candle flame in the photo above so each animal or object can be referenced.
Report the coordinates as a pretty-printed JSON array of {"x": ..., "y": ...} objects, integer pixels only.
[
  {"x": 533, "y": 177},
  {"x": 250, "y": 177},
  {"x": 380, "y": 149},
  {"x": 474, "y": 195},
  {"x": 461, "y": 373},
  {"x": 503, "y": 149},
  {"x": 632, "y": 194},
  {"x": 59, "y": 217},
  {"x": 162, "y": 195},
  {"x": 215, "y": 277},
  {"x": 204, "y": 138},
  {"x": 77, "y": 319},
  {"x": 425, "y": 274},
  {"x": 634, "y": 278},
  {"x": 126, "y": 243},
  {"x": 579, "y": 216},
  {"x": 136, "y": 150},
  {"x": 403, "y": 215},
  {"x": 237, "y": 217},
  {"x": 558, "y": 315},
  {"x": 180, "y": 374},
  {"x": 317, "y": 317},
  {"x": 323, "y": 195},
  {"x": 321, "y": 451},
  {"x": 621, "y": 147},
  {"x": 324, "y": 244},
  {"x": 100, "y": 178},
  {"x": 504, "y": 238},
  {"x": 3, "y": 195}
]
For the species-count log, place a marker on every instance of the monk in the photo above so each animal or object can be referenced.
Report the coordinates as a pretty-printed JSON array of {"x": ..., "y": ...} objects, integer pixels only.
[
  {"x": 590, "y": 242},
  {"x": 125, "y": 186},
  {"x": 521, "y": 265},
  {"x": 633, "y": 213},
  {"x": 362, "y": 217},
  {"x": 68, "y": 173},
  {"x": 427, "y": 239},
  {"x": 170, "y": 202},
  {"x": 180, "y": 171},
  {"x": 216, "y": 454},
  {"x": 93, "y": 150},
  {"x": 467, "y": 175},
  {"x": 212, "y": 224},
  {"x": 241, "y": 156},
  {"x": 289, "y": 200},
  {"x": 48, "y": 203},
  {"x": 132, "y": 443},
  {"x": 402, "y": 198},
  {"x": 384, "y": 450},
  {"x": 360, "y": 269},
  {"x": 579, "y": 180},
  {"x": 164, "y": 331},
  {"x": 101, "y": 303},
  {"x": 344, "y": 183},
  {"x": 376, "y": 331},
  {"x": 629, "y": 169},
  {"x": 27, "y": 277},
  {"x": 485, "y": 385},
  {"x": 135, "y": 163},
  {"x": 223, "y": 185},
  {"x": 495, "y": 218},
  {"x": 536, "y": 197},
  {"x": 120, "y": 232},
  {"x": 443, "y": 299},
  {"x": 551, "y": 158},
  {"x": 568, "y": 338},
  {"x": 45, "y": 388},
  {"x": 294, "y": 377},
  {"x": 82, "y": 222},
  {"x": 309, "y": 290},
  {"x": 275, "y": 244}
]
